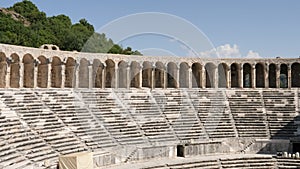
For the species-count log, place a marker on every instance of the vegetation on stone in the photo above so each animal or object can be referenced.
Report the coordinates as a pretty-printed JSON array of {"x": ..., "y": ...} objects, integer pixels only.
[{"x": 25, "y": 25}]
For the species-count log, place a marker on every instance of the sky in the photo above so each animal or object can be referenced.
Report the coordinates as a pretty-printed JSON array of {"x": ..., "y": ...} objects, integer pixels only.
[{"x": 233, "y": 28}]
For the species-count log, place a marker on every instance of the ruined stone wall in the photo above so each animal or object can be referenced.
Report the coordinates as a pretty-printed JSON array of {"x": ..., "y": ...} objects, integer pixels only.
[{"x": 31, "y": 67}]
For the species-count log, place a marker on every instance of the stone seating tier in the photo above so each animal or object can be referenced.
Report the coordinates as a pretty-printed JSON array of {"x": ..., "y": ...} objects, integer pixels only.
[
  {"x": 41, "y": 124},
  {"x": 288, "y": 163}
]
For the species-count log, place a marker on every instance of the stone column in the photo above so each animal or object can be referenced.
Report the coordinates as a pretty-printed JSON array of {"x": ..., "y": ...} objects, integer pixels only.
[
  {"x": 128, "y": 77},
  {"x": 203, "y": 77},
  {"x": 76, "y": 76},
  {"x": 7, "y": 80},
  {"x": 91, "y": 85},
  {"x": 216, "y": 78},
  {"x": 21, "y": 80},
  {"x": 266, "y": 76},
  {"x": 277, "y": 76},
  {"x": 253, "y": 72},
  {"x": 190, "y": 83},
  {"x": 35, "y": 76},
  {"x": 165, "y": 75},
  {"x": 140, "y": 77},
  {"x": 241, "y": 76},
  {"x": 228, "y": 79},
  {"x": 153, "y": 77},
  {"x": 49, "y": 76},
  {"x": 63, "y": 76},
  {"x": 289, "y": 76},
  {"x": 177, "y": 80},
  {"x": 116, "y": 79},
  {"x": 103, "y": 76}
]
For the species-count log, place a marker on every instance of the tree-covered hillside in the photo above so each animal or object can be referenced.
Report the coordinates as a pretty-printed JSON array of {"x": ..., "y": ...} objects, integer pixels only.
[{"x": 25, "y": 25}]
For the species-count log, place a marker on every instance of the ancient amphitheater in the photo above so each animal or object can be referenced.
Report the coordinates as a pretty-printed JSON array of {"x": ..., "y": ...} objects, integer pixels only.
[{"x": 147, "y": 112}]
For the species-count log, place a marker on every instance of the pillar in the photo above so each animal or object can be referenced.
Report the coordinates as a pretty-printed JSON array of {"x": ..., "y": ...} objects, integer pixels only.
[
  {"x": 289, "y": 76},
  {"x": 153, "y": 77},
  {"x": 140, "y": 77},
  {"x": 203, "y": 77},
  {"x": 103, "y": 76},
  {"x": 116, "y": 79},
  {"x": 35, "y": 76},
  {"x": 177, "y": 84},
  {"x": 128, "y": 77},
  {"x": 253, "y": 72},
  {"x": 90, "y": 67},
  {"x": 63, "y": 77},
  {"x": 266, "y": 75},
  {"x": 228, "y": 79},
  {"x": 21, "y": 79},
  {"x": 49, "y": 76},
  {"x": 165, "y": 75},
  {"x": 216, "y": 76},
  {"x": 7, "y": 80},
  {"x": 241, "y": 76},
  {"x": 76, "y": 76},
  {"x": 190, "y": 71},
  {"x": 277, "y": 76}
]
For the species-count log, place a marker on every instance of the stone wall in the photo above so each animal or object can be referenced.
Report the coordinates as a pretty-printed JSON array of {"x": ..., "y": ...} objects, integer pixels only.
[{"x": 32, "y": 67}]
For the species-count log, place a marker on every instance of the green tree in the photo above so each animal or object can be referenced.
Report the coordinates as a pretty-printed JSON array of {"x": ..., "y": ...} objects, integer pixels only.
[
  {"x": 57, "y": 30},
  {"x": 98, "y": 43},
  {"x": 116, "y": 49},
  {"x": 28, "y": 10},
  {"x": 77, "y": 37},
  {"x": 85, "y": 23}
]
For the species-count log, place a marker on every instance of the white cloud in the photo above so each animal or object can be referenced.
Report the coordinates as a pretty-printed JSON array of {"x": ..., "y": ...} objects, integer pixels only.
[
  {"x": 252, "y": 54},
  {"x": 228, "y": 51}
]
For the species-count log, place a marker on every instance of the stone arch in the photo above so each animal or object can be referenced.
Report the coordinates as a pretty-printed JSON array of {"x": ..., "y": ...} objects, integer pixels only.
[
  {"x": 135, "y": 74},
  {"x": 97, "y": 73},
  {"x": 260, "y": 75},
  {"x": 84, "y": 73},
  {"x": 272, "y": 75},
  {"x": 70, "y": 72},
  {"x": 147, "y": 74},
  {"x": 283, "y": 76},
  {"x": 235, "y": 75},
  {"x": 15, "y": 71},
  {"x": 159, "y": 75},
  {"x": 172, "y": 73},
  {"x": 295, "y": 75},
  {"x": 42, "y": 75},
  {"x": 247, "y": 75},
  {"x": 184, "y": 75},
  {"x": 28, "y": 79},
  {"x": 3, "y": 69},
  {"x": 110, "y": 73},
  {"x": 222, "y": 75},
  {"x": 210, "y": 70},
  {"x": 122, "y": 74},
  {"x": 56, "y": 77},
  {"x": 196, "y": 75}
]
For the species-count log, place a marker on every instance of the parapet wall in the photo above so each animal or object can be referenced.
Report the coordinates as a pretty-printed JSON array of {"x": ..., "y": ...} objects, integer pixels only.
[{"x": 31, "y": 67}]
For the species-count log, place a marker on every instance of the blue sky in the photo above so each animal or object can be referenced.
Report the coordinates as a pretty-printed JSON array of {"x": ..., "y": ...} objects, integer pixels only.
[{"x": 267, "y": 28}]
